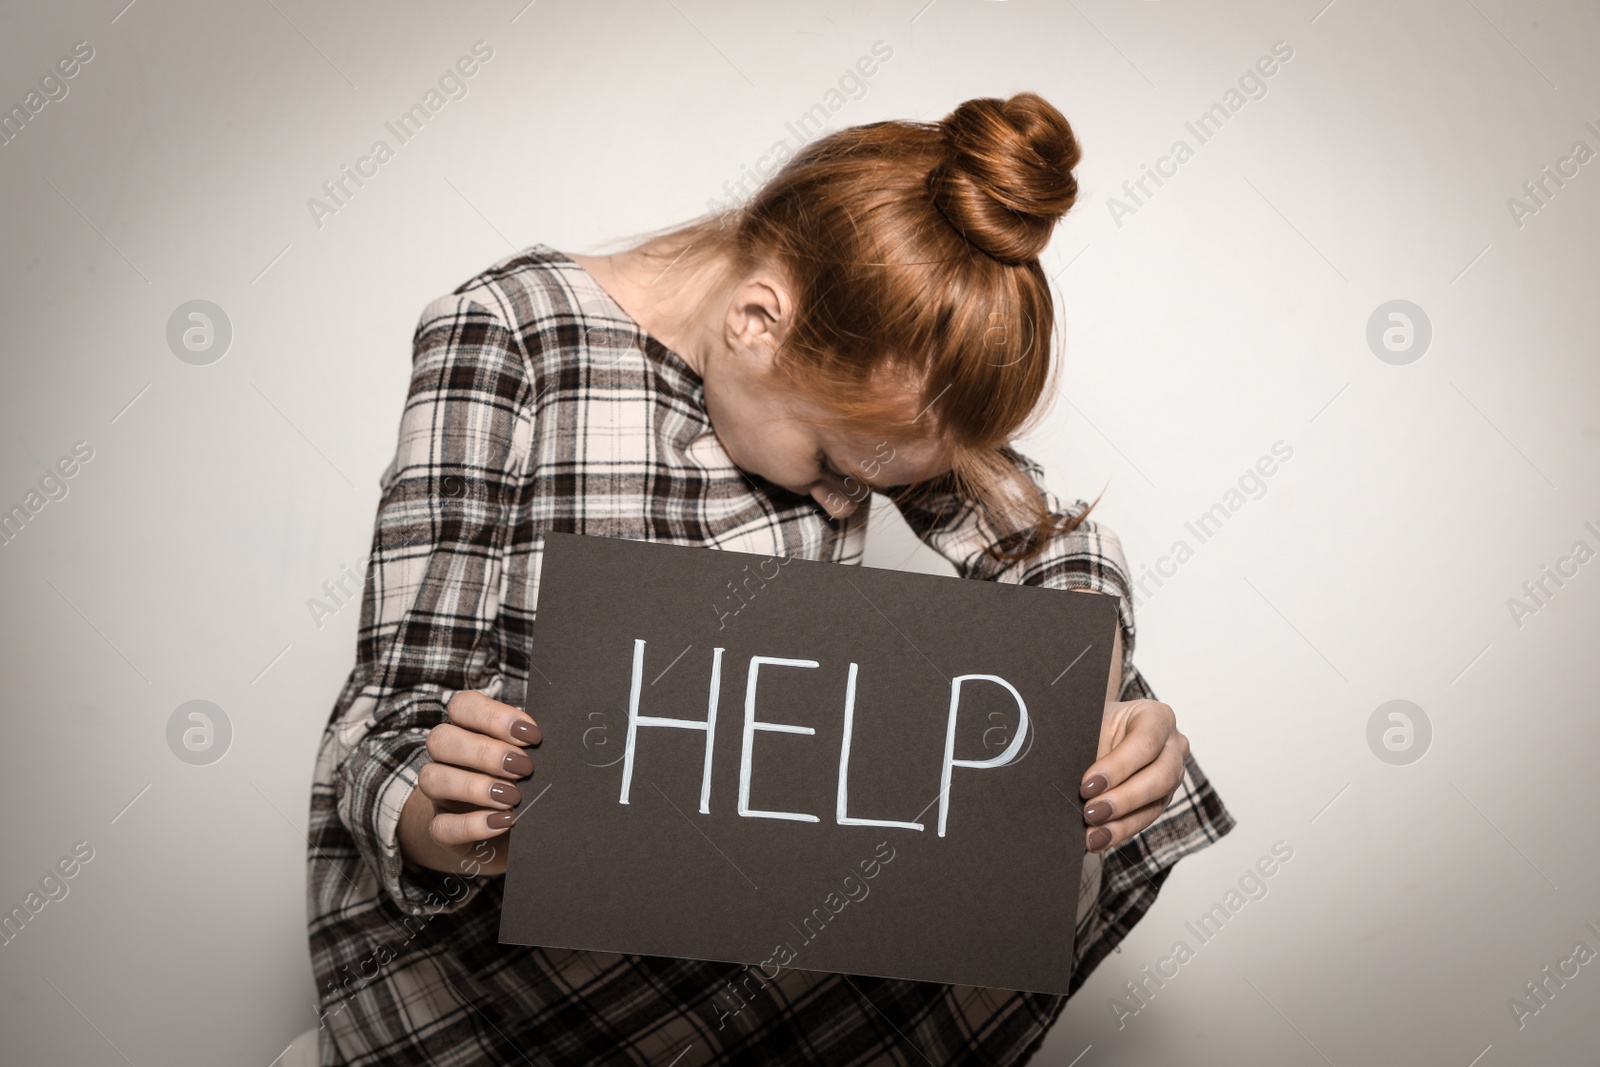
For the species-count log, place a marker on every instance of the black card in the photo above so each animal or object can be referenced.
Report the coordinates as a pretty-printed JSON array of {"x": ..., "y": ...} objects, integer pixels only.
[{"x": 851, "y": 707}]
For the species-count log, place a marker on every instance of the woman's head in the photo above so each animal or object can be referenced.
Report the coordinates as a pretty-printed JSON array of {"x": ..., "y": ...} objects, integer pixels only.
[{"x": 887, "y": 279}]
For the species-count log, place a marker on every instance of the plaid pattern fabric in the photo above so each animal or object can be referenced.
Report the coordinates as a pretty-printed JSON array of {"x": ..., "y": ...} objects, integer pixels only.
[{"x": 537, "y": 404}]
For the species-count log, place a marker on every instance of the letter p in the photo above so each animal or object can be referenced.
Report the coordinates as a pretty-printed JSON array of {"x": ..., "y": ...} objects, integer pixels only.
[{"x": 1001, "y": 760}]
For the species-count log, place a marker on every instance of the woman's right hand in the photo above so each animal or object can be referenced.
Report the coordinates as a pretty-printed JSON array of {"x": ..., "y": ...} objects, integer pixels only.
[{"x": 456, "y": 819}]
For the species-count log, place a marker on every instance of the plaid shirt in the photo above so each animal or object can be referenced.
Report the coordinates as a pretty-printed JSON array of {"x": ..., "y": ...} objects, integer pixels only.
[{"x": 537, "y": 404}]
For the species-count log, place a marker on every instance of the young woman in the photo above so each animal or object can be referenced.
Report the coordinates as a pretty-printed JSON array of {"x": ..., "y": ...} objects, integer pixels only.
[{"x": 875, "y": 318}]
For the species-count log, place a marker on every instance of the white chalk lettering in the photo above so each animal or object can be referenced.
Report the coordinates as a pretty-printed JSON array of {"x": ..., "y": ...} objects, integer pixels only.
[
  {"x": 635, "y": 720},
  {"x": 751, "y": 725},
  {"x": 950, "y": 738},
  {"x": 844, "y": 765}
]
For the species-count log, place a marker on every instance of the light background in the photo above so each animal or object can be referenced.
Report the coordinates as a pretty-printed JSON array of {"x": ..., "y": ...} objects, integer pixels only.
[{"x": 1227, "y": 313}]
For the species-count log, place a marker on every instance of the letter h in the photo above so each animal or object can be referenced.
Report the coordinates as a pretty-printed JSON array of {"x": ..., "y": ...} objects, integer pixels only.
[{"x": 635, "y": 720}]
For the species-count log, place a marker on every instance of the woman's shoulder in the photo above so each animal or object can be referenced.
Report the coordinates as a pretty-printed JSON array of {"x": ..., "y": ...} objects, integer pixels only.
[
  {"x": 528, "y": 291},
  {"x": 536, "y": 308}
]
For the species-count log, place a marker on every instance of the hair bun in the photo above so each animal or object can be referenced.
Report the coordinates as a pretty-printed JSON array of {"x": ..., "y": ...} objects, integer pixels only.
[{"x": 1006, "y": 179}]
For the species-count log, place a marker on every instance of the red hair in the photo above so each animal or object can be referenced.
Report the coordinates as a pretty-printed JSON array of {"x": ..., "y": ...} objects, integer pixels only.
[{"x": 912, "y": 254}]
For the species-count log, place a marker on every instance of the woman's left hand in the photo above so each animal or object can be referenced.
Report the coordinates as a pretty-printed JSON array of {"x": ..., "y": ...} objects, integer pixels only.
[{"x": 1137, "y": 770}]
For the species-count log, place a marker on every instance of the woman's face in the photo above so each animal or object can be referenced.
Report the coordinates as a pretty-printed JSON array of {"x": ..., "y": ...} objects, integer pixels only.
[
  {"x": 765, "y": 428},
  {"x": 768, "y": 429}
]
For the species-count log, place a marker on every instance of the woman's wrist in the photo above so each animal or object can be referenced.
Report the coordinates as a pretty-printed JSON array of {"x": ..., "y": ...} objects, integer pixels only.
[{"x": 417, "y": 846}]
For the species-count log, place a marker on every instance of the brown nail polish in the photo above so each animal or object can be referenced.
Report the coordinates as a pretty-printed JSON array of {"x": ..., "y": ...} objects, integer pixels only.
[
  {"x": 527, "y": 730},
  {"x": 502, "y": 819},
  {"x": 517, "y": 765},
  {"x": 1097, "y": 813},
  {"x": 503, "y": 793},
  {"x": 1094, "y": 786},
  {"x": 1099, "y": 838}
]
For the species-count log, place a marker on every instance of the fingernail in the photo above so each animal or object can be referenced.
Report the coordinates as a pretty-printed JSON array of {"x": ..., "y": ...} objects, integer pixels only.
[
  {"x": 1097, "y": 813},
  {"x": 502, "y": 819},
  {"x": 527, "y": 730},
  {"x": 1099, "y": 837},
  {"x": 501, "y": 793},
  {"x": 1093, "y": 787},
  {"x": 517, "y": 765}
]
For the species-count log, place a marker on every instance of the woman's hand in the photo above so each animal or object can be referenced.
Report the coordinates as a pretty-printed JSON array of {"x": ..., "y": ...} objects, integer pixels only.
[
  {"x": 1137, "y": 770},
  {"x": 456, "y": 819},
  {"x": 1138, "y": 767}
]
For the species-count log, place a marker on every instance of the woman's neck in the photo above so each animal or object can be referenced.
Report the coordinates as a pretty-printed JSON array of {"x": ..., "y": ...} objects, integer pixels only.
[{"x": 676, "y": 301}]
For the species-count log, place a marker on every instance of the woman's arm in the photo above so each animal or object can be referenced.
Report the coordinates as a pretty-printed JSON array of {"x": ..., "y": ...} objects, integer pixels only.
[
  {"x": 1139, "y": 764},
  {"x": 431, "y": 604},
  {"x": 456, "y": 819},
  {"x": 1152, "y": 825}
]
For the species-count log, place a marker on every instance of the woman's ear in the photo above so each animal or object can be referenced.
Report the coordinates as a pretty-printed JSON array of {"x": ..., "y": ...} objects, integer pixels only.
[{"x": 758, "y": 315}]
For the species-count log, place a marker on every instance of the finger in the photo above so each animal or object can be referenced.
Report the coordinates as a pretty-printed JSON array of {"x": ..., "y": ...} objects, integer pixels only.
[
  {"x": 1145, "y": 730},
  {"x": 451, "y": 830},
  {"x": 1118, "y": 831},
  {"x": 472, "y": 710},
  {"x": 1156, "y": 781},
  {"x": 445, "y": 784},
  {"x": 477, "y": 752}
]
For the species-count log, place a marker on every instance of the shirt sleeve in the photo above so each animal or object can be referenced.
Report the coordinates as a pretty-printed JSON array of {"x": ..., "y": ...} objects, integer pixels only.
[
  {"x": 433, "y": 583},
  {"x": 1087, "y": 557}
]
